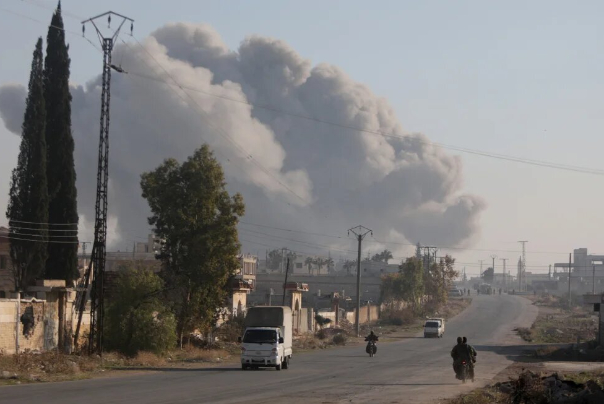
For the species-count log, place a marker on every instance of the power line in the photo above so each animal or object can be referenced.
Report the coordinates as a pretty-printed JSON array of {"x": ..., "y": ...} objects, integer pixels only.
[
  {"x": 540, "y": 163},
  {"x": 522, "y": 160},
  {"x": 43, "y": 224},
  {"x": 38, "y": 241},
  {"x": 77, "y": 34}
]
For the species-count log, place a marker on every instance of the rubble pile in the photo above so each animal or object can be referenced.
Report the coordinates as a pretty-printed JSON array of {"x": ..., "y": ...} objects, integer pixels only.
[{"x": 532, "y": 388}]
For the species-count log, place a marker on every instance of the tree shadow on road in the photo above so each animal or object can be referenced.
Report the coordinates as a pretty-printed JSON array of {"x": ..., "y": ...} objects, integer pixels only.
[{"x": 517, "y": 353}]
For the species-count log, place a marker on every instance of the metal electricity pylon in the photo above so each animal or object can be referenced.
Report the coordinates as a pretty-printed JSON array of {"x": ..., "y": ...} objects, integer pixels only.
[
  {"x": 97, "y": 257},
  {"x": 360, "y": 232}
]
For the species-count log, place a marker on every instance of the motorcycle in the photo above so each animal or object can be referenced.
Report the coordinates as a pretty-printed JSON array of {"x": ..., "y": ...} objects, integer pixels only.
[
  {"x": 465, "y": 372},
  {"x": 371, "y": 348}
]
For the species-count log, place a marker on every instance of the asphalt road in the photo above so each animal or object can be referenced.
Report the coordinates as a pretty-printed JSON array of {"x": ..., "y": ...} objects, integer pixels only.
[{"x": 412, "y": 370}]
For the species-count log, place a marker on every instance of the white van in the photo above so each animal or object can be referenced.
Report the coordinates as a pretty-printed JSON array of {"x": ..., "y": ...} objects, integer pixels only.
[{"x": 434, "y": 327}]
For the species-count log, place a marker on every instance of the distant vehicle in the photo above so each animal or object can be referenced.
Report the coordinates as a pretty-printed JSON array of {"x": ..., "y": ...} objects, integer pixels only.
[
  {"x": 486, "y": 289},
  {"x": 455, "y": 292},
  {"x": 434, "y": 327},
  {"x": 267, "y": 339}
]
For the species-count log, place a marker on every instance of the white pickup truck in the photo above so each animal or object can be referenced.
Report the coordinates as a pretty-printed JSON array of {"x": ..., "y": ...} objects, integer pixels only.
[
  {"x": 434, "y": 327},
  {"x": 267, "y": 339}
]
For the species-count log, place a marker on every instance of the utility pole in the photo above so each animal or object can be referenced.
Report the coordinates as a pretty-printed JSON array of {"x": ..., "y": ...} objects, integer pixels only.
[
  {"x": 481, "y": 261},
  {"x": 493, "y": 257},
  {"x": 285, "y": 284},
  {"x": 97, "y": 257},
  {"x": 593, "y": 279},
  {"x": 569, "y": 265},
  {"x": 523, "y": 267},
  {"x": 360, "y": 232},
  {"x": 504, "y": 273}
]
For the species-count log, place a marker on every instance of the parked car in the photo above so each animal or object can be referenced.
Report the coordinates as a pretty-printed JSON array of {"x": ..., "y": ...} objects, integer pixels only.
[{"x": 455, "y": 293}]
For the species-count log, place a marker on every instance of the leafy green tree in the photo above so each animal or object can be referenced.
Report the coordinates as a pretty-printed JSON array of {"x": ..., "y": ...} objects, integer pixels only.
[
  {"x": 348, "y": 265},
  {"x": 137, "y": 318},
  {"x": 329, "y": 264},
  {"x": 27, "y": 209},
  {"x": 384, "y": 256},
  {"x": 62, "y": 260},
  {"x": 197, "y": 218},
  {"x": 275, "y": 259},
  {"x": 488, "y": 275},
  {"x": 439, "y": 278},
  {"x": 320, "y": 262},
  {"x": 412, "y": 282}
]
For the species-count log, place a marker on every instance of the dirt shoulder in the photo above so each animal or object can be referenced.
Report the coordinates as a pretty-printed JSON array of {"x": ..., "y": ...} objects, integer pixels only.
[{"x": 557, "y": 324}]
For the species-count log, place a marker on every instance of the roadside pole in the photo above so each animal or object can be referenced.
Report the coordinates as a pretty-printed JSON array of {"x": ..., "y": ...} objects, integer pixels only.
[
  {"x": 360, "y": 232},
  {"x": 569, "y": 265},
  {"x": 285, "y": 284}
]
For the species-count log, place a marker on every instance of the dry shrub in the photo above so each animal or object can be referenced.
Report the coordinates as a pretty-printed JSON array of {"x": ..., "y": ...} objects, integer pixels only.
[
  {"x": 399, "y": 317},
  {"x": 147, "y": 359},
  {"x": 525, "y": 333},
  {"x": 194, "y": 354},
  {"x": 308, "y": 342},
  {"x": 339, "y": 339}
]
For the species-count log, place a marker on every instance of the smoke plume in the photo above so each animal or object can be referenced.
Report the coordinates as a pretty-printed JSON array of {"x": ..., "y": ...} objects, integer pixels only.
[{"x": 293, "y": 172}]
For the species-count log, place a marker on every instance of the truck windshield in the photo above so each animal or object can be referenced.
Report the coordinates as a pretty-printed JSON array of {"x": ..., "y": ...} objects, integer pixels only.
[
  {"x": 260, "y": 336},
  {"x": 431, "y": 324}
]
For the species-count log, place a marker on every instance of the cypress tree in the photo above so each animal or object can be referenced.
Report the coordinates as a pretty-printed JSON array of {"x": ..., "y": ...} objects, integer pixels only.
[
  {"x": 62, "y": 207},
  {"x": 27, "y": 209}
]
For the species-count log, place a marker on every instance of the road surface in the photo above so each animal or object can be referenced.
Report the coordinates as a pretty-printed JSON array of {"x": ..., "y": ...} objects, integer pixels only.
[{"x": 412, "y": 370}]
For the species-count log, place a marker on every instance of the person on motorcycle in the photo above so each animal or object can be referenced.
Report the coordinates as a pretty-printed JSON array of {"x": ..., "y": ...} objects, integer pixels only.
[
  {"x": 459, "y": 353},
  {"x": 371, "y": 338},
  {"x": 473, "y": 354},
  {"x": 470, "y": 349}
]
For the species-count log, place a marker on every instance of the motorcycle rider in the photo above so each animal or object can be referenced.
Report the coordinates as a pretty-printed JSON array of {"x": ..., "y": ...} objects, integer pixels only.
[
  {"x": 473, "y": 354},
  {"x": 459, "y": 353},
  {"x": 470, "y": 348},
  {"x": 371, "y": 338}
]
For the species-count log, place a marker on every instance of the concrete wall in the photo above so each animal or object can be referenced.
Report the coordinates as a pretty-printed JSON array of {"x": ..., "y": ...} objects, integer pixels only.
[
  {"x": 367, "y": 314},
  {"x": 46, "y": 334},
  {"x": 40, "y": 338}
]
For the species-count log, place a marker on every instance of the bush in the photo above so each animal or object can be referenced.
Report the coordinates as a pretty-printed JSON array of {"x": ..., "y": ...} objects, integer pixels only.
[
  {"x": 137, "y": 318},
  {"x": 339, "y": 339},
  {"x": 399, "y": 317},
  {"x": 232, "y": 329}
]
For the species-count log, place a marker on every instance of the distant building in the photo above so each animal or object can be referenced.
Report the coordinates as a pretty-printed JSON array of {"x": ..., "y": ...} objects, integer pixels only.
[{"x": 585, "y": 269}]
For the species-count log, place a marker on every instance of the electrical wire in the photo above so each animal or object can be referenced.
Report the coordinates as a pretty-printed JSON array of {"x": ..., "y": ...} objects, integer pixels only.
[
  {"x": 414, "y": 138},
  {"x": 39, "y": 241}
]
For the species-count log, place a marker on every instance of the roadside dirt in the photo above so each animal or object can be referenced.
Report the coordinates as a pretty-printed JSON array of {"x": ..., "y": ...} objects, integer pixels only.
[{"x": 556, "y": 324}]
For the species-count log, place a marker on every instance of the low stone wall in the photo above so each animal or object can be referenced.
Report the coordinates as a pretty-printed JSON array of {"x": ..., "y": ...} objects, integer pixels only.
[{"x": 43, "y": 333}]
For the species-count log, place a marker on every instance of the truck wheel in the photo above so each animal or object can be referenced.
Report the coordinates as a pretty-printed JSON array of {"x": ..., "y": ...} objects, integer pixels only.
[
  {"x": 286, "y": 363},
  {"x": 243, "y": 367},
  {"x": 278, "y": 367}
]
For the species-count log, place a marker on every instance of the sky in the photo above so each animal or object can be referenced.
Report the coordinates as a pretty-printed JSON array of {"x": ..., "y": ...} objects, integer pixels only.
[{"x": 511, "y": 78}]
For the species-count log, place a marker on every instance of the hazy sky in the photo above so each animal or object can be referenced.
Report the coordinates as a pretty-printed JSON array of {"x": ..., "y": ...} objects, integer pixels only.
[{"x": 517, "y": 78}]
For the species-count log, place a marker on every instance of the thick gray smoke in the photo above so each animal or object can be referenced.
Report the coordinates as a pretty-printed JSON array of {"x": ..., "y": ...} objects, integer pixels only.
[{"x": 293, "y": 172}]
